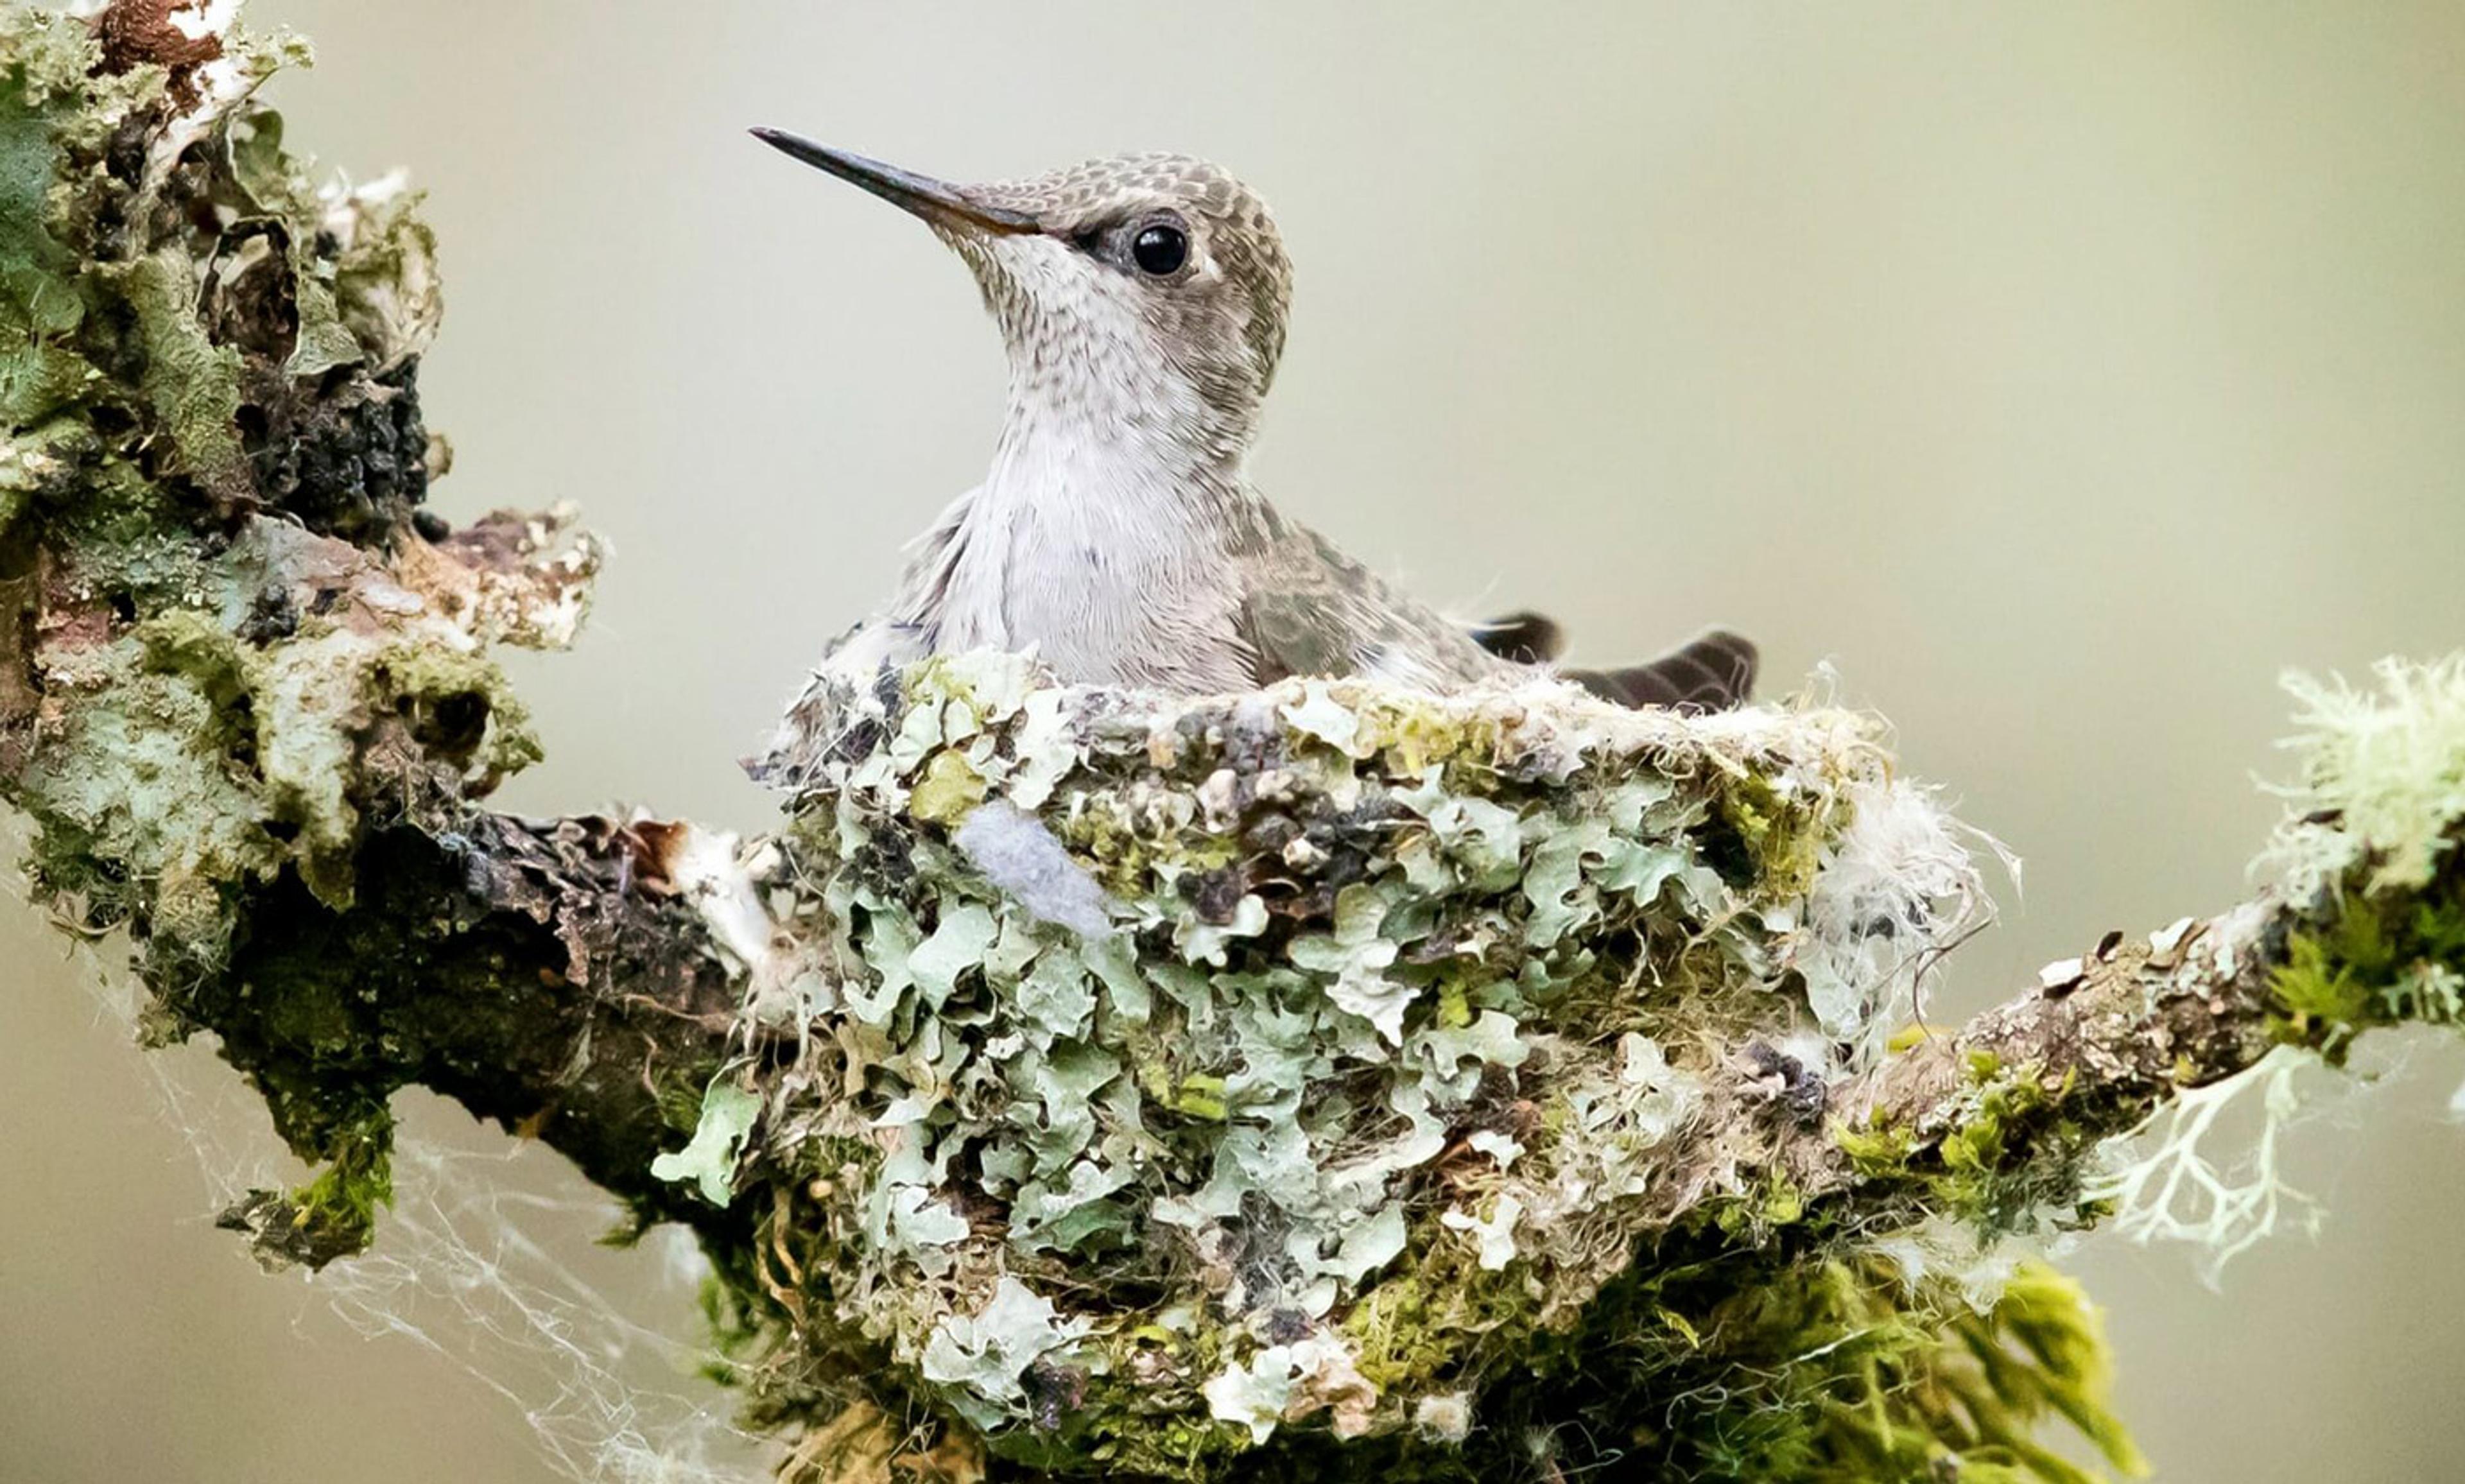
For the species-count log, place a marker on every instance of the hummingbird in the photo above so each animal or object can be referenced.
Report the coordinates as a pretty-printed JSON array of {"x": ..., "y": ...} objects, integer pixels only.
[{"x": 1142, "y": 300}]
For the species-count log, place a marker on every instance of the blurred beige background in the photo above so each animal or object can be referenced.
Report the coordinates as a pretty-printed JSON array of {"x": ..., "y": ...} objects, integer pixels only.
[{"x": 2059, "y": 373}]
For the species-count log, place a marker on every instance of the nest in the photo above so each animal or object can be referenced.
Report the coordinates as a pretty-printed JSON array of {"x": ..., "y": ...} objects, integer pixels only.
[{"x": 1172, "y": 1075}]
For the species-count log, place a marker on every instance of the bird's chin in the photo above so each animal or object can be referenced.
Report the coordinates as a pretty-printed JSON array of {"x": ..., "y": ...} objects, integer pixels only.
[{"x": 1033, "y": 277}]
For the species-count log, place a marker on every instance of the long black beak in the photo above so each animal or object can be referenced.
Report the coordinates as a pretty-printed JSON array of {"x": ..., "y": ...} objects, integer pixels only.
[{"x": 936, "y": 201}]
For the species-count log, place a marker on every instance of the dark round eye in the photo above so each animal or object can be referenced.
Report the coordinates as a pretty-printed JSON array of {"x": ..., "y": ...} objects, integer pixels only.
[{"x": 1160, "y": 250}]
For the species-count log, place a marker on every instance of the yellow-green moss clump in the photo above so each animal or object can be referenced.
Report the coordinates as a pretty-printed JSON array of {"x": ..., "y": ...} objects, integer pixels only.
[{"x": 1269, "y": 1085}]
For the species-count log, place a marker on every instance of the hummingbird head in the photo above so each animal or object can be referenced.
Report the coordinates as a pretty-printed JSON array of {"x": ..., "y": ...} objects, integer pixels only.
[{"x": 1151, "y": 286}]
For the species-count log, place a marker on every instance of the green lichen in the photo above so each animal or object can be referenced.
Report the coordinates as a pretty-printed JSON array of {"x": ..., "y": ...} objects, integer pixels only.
[
  {"x": 40, "y": 306},
  {"x": 191, "y": 381},
  {"x": 708, "y": 1161},
  {"x": 143, "y": 776},
  {"x": 461, "y": 708}
]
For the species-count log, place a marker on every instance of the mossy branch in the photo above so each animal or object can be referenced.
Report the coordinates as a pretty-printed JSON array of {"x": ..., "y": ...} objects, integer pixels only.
[
  {"x": 1331, "y": 1078},
  {"x": 2105, "y": 1040}
]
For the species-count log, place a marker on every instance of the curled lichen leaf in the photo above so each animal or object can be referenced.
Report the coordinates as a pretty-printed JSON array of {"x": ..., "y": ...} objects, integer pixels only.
[{"x": 708, "y": 1160}]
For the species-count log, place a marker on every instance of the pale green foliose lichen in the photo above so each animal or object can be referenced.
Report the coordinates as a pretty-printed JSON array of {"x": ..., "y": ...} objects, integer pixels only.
[{"x": 710, "y": 1160}]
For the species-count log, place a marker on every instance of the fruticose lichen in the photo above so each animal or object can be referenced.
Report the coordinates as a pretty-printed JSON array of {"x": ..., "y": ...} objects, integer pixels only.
[{"x": 2369, "y": 846}]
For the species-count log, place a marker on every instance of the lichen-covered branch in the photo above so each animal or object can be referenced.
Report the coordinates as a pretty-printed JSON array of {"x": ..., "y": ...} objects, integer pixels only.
[
  {"x": 2364, "y": 928},
  {"x": 537, "y": 972},
  {"x": 245, "y": 692},
  {"x": 1329, "y": 1080}
]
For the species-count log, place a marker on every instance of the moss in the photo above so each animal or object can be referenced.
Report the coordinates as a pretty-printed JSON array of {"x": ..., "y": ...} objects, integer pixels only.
[
  {"x": 2372, "y": 960},
  {"x": 1130, "y": 1416},
  {"x": 1981, "y": 1143},
  {"x": 1721, "y": 1364},
  {"x": 1412, "y": 739},
  {"x": 1831, "y": 1370},
  {"x": 1426, "y": 1328},
  {"x": 2011, "y": 1147},
  {"x": 1129, "y": 854},
  {"x": 335, "y": 1214},
  {"x": 1768, "y": 1201},
  {"x": 1769, "y": 836},
  {"x": 1880, "y": 1149},
  {"x": 341, "y": 1205}
]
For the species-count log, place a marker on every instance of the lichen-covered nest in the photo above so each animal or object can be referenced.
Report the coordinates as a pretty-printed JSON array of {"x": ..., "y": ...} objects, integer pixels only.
[{"x": 1182, "y": 1087}]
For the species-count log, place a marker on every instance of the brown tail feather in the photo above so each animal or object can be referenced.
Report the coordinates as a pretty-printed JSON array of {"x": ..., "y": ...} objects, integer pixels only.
[{"x": 1712, "y": 673}]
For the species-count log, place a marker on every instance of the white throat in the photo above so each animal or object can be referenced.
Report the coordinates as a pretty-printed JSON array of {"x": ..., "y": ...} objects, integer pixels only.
[{"x": 1101, "y": 535}]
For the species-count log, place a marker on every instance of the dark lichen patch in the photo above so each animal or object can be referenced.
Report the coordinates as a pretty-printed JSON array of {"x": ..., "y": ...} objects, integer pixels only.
[
  {"x": 352, "y": 461},
  {"x": 40, "y": 372},
  {"x": 191, "y": 382}
]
